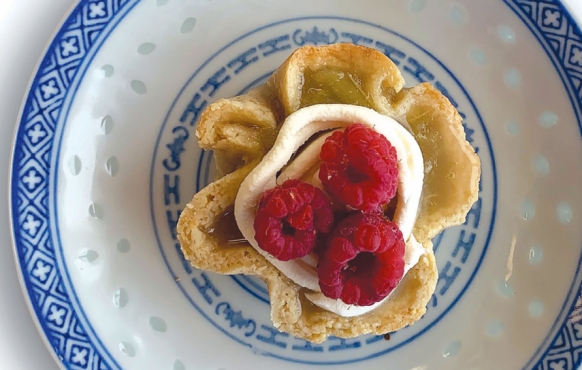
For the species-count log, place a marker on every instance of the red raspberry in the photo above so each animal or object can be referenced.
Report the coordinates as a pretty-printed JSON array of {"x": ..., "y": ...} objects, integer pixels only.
[
  {"x": 360, "y": 167},
  {"x": 290, "y": 218},
  {"x": 364, "y": 260}
]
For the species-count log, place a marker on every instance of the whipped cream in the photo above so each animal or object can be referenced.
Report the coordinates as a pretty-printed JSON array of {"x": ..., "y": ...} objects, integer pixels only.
[{"x": 295, "y": 131}]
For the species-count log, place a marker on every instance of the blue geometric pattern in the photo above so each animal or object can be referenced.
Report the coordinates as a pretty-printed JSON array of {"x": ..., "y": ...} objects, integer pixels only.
[
  {"x": 52, "y": 303},
  {"x": 30, "y": 189},
  {"x": 562, "y": 39},
  {"x": 565, "y": 351}
]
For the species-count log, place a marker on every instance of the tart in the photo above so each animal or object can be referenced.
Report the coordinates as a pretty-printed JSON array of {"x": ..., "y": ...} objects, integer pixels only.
[{"x": 275, "y": 141}]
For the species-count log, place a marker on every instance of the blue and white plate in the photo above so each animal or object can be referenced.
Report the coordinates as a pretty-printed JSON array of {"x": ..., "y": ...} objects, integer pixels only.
[{"x": 105, "y": 157}]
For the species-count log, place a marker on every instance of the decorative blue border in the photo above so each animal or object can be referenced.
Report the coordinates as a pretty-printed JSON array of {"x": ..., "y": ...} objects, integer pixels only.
[
  {"x": 561, "y": 38},
  {"x": 53, "y": 300},
  {"x": 51, "y": 297}
]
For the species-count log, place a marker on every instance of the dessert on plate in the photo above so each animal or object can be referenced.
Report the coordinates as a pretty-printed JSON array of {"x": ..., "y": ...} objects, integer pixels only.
[{"x": 333, "y": 179}]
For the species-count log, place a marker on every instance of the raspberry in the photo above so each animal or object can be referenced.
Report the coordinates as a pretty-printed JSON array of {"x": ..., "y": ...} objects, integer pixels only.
[
  {"x": 360, "y": 168},
  {"x": 290, "y": 219},
  {"x": 364, "y": 260}
]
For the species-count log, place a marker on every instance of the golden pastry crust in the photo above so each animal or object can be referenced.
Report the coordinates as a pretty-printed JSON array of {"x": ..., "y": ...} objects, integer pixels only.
[
  {"x": 294, "y": 314},
  {"x": 378, "y": 75},
  {"x": 241, "y": 130},
  {"x": 452, "y": 169}
]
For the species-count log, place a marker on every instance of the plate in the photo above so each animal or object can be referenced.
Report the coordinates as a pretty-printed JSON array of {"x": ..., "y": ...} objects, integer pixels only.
[{"x": 105, "y": 157}]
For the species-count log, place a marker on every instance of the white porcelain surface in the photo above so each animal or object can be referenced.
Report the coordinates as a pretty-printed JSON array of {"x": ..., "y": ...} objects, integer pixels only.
[{"x": 104, "y": 166}]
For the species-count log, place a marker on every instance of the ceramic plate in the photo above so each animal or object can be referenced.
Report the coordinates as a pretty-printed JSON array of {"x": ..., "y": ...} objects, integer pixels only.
[{"x": 105, "y": 157}]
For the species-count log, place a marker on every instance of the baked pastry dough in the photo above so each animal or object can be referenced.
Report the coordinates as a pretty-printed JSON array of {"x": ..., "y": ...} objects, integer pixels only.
[{"x": 241, "y": 130}]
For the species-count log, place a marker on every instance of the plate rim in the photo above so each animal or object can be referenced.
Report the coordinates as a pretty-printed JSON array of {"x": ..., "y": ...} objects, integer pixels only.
[
  {"x": 11, "y": 222},
  {"x": 74, "y": 9}
]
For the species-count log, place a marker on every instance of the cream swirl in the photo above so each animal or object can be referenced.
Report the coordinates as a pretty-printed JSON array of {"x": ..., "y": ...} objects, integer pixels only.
[{"x": 295, "y": 131}]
